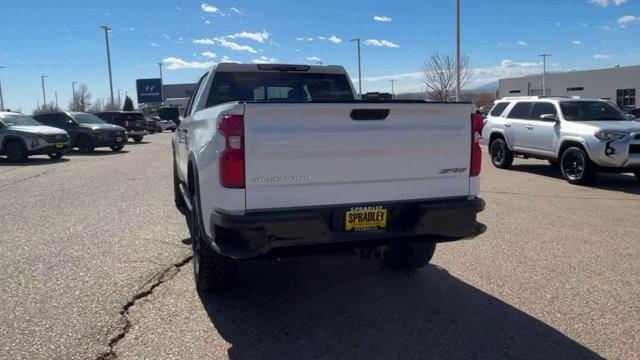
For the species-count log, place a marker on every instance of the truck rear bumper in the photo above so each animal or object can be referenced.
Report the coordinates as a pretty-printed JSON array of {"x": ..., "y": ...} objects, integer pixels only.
[{"x": 322, "y": 229}]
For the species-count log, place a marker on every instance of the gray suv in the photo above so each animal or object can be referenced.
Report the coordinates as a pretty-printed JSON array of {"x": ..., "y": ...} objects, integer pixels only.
[
  {"x": 581, "y": 136},
  {"x": 22, "y": 136}
]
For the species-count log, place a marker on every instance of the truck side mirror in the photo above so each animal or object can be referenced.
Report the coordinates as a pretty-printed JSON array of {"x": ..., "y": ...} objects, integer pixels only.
[
  {"x": 631, "y": 117},
  {"x": 549, "y": 117}
]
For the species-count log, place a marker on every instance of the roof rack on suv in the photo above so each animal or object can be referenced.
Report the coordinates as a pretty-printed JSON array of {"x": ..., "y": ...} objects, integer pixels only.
[{"x": 539, "y": 97}]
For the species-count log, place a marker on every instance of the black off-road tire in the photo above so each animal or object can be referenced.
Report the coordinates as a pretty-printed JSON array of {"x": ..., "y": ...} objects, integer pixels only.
[
  {"x": 212, "y": 272},
  {"x": 116, "y": 148},
  {"x": 16, "y": 151},
  {"x": 408, "y": 256},
  {"x": 576, "y": 166},
  {"x": 501, "y": 156},
  {"x": 137, "y": 138},
  {"x": 85, "y": 144},
  {"x": 55, "y": 156}
]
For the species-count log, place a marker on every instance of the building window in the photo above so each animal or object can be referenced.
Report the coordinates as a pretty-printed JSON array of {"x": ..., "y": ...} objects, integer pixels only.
[
  {"x": 626, "y": 98},
  {"x": 575, "y": 89},
  {"x": 515, "y": 92}
]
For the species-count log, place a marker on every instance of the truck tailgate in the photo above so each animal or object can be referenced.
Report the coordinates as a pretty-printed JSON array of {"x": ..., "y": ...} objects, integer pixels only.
[{"x": 310, "y": 154}]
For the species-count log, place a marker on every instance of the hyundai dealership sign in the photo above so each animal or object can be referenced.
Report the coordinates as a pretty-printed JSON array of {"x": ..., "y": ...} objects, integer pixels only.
[{"x": 149, "y": 91}]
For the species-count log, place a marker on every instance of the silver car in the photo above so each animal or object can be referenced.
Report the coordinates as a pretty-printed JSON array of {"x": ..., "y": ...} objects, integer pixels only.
[
  {"x": 22, "y": 136},
  {"x": 581, "y": 136}
]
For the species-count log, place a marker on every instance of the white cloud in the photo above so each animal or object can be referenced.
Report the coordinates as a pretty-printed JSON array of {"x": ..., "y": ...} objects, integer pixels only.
[
  {"x": 606, "y": 28},
  {"x": 605, "y": 3},
  {"x": 210, "y": 9},
  {"x": 257, "y": 36},
  {"x": 210, "y": 54},
  {"x": 225, "y": 43},
  {"x": 207, "y": 21},
  {"x": 313, "y": 58},
  {"x": 628, "y": 20},
  {"x": 236, "y": 11},
  {"x": 576, "y": 42},
  {"x": 154, "y": 44},
  {"x": 382, "y": 18},
  {"x": 204, "y": 42},
  {"x": 602, "y": 57},
  {"x": 522, "y": 43},
  {"x": 173, "y": 63},
  {"x": 227, "y": 60},
  {"x": 385, "y": 43},
  {"x": 264, "y": 60},
  {"x": 304, "y": 39},
  {"x": 334, "y": 39}
]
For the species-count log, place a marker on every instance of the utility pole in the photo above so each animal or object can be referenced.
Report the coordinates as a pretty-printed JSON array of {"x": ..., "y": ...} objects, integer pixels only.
[
  {"x": 161, "y": 83},
  {"x": 73, "y": 92},
  {"x": 457, "y": 50},
  {"x": 106, "y": 29},
  {"x": 319, "y": 63},
  {"x": 359, "y": 68},
  {"x": 56, "y": 94},
  {"x": 119, "y": 97},
  {"x": 44, "y": 96},
  {"x": 544, "y": 73},
  {"x": 1, "y": 99},
  {"x": 393, "y": 93}
]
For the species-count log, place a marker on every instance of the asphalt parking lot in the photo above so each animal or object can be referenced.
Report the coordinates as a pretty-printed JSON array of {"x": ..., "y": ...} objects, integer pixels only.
[{"x": 95, "y": 263}]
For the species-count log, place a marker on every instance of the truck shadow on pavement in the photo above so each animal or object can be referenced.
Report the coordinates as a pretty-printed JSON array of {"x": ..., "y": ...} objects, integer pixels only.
[
  {"x": 345, "y": 308},
  {"x": 33, "y": 161},
  {"x": 97, "y": 152},
  {"x": 614, "y": 182}
]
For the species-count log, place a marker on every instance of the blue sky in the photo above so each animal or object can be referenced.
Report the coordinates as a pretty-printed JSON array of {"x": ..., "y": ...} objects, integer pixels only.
[{"x": 63, "y": 39}]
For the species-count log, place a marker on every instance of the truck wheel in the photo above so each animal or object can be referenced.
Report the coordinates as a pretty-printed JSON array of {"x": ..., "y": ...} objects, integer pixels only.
[
  {"x": 85, "y": 144},
  {"x": 117, "y": 148},
  {"x": 576, "y": 166},
  {"x": 137, "y": 138},
  {"x": 408, "y": 256},
  {"x": 55, "y": 156},
  {"x": 16, "y": 151},
  {"x": 177, "y": 194},
  {"x": 501, "y": 156},
  {"x": 212, "y": 271}
]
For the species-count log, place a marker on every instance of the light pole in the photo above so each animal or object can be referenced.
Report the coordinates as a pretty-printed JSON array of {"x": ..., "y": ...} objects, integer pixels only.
[
  {"x": 73, "y": 92},
  {"x": 1, "y": 99},
  {"x": 359, "y": 67},
  {"x": 457, "y": 50},
  {"x": 44, "y": 96},
  {"x": 393, "y": 93},
  {"x": 544, "y": 73},
  {"x": 319, "y": 63},
  {"x": 56, "y": 94},
  {"x": 161, "y": 83},
  {"x": 106, "y": 29},
  {"x": 119, "y": 97}
]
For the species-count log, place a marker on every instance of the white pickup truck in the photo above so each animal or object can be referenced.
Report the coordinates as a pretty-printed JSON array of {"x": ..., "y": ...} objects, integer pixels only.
[{"x": 283, "y": 160}]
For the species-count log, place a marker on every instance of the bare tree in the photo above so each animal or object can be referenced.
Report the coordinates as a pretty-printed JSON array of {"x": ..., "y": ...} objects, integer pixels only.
[
  {"x": 440, "y": 75},
  {"x": 81, "y": 99},
  {"x": 44, "y": 108},
  {"x": 111, "y": 106},
  {"x": 97, "y": 105}
]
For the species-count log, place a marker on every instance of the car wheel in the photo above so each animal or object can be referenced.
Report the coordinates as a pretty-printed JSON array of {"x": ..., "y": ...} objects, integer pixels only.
[
  {"x": 501, "y": 156},
  {"x": 55, "y": 156},
  {"x": 137, "y": 138},
  {"x": 408, "y": 256},
  {"x": 212, "y": 272},
  {"x": 85, "y": 144},
  {"x": 117, "y": 148},
  {"x": 177, "y": 194},
  {"x": 576, "y": 166},
  {"x": 16, "y": 151}
]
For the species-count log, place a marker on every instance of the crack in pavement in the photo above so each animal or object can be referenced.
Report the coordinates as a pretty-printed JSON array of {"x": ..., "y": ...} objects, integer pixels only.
[
  {"x": 150, "y": 285},
  {"x": 557, "y": 196},
  {"x": 25, "y": 179}
]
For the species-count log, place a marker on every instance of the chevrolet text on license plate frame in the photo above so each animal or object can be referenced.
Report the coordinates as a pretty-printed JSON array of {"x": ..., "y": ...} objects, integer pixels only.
[{"x": 365, "y": 218}]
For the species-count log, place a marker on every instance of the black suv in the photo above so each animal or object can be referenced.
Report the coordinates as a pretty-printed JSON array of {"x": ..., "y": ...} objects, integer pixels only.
[
  {"x": 86, "y": 131},
  {"x": 133, "y": 121}
]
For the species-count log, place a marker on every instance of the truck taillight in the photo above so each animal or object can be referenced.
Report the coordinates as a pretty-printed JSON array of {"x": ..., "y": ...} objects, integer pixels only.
[
  {"x": 476, "y": 152},
  {"x": 232, "y": 158}
]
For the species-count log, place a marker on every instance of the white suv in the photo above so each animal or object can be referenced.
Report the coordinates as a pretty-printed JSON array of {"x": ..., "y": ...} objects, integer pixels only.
[{"x": 582, "y": 136}]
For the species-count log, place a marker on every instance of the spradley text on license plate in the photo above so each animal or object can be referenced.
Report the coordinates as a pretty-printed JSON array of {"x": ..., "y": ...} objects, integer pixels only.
[{"x": 365, "y": 218}]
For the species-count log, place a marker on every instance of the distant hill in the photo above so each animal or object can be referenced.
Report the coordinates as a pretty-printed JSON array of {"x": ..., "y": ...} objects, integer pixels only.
[{"x": 489, "y": 86}]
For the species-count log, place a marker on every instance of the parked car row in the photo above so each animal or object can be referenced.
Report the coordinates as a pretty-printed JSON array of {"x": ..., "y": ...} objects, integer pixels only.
[
  {"x": 580, "y": 136},
  {"x": 55, "y": 133}
]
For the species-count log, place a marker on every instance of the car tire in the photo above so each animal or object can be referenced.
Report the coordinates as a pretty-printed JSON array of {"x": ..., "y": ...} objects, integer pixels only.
[
  {"x": 138, "y": 138},
  {"x": 173, "y": 129},
  {"x": 16, "y": 151},
  {"x": 55, "y": 156},
  {"x": 85, "y": 144},
  {"x": 177, "y": 194},
  {"x": 501, "y": 156},
  {"x": 576, "y": 166},
  {"x": 212, "y": 272},
  {"x": 116, "y": 148},
  {"x": 408, "y": 256}
]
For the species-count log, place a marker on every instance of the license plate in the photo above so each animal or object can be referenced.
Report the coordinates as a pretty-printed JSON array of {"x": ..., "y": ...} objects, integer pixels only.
[
  {"x": 118, "y": 139},
  {"x": 365, "y": 218},
  {"x": 59, "y": 145}
]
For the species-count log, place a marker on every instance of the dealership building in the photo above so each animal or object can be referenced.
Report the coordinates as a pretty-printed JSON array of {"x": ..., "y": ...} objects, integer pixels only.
[{"x": 617, "y": 84}]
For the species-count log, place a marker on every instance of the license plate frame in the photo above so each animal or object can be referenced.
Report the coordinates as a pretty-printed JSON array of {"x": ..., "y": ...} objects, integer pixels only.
[
  {"x": 59, "y": 145},
  {"x": 118, "y": 139},
  {"x": 366, "y": 218}
]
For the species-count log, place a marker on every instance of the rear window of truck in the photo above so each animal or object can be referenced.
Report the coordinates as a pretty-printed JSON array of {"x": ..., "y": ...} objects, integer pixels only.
[{"x": 278, "y": 87}]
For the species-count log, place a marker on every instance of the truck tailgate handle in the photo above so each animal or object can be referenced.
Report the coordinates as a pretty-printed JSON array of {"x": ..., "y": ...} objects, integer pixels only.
[{"x": 369, "y": 114}]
